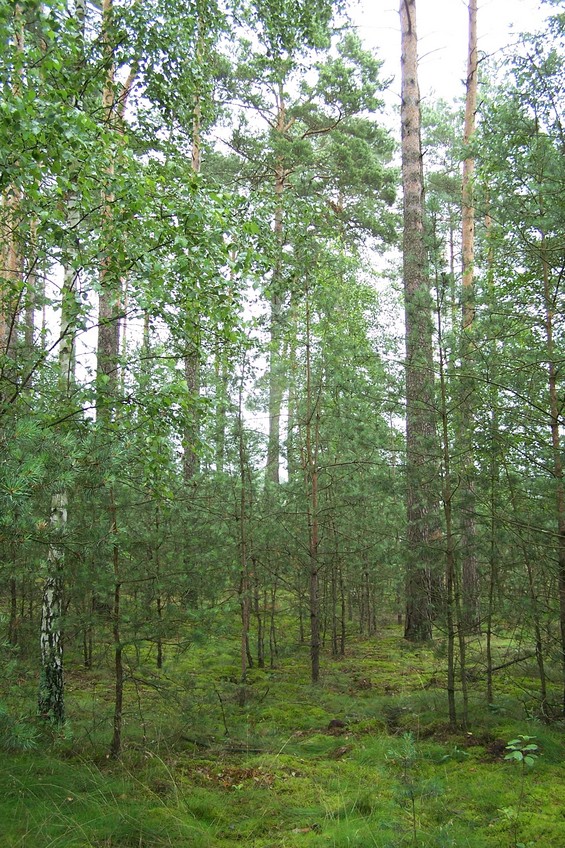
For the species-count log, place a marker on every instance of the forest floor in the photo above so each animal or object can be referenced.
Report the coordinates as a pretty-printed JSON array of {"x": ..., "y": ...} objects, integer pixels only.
[{"x": 366, "y": 758}]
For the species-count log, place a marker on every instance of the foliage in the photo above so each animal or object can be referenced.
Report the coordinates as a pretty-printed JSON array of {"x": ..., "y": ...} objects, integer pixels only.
[
  {"x": 522, "y": 750},
  {"x": 281, "y": 774},
  {"x": 256, "y": 266}
]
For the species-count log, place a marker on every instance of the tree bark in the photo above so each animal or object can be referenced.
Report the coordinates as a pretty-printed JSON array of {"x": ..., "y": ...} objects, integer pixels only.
[
  {"x": 116, "y": 743},
  {"x": 470, "y": 575},
  {"x": 421, "y": 468},
  {"x": 11, "y": 267},
  {"x": 244, "y": 583},
  {"x": 191, "y": 437},
  {"x": 108, "y": 350},
  {"x": 555, "y": 417},
  {"x": 272, "y": 471},
  {"x": 310, "y": 465},
  {"x": 51, "y": 688},
  {"x": 51, "y": 701}
]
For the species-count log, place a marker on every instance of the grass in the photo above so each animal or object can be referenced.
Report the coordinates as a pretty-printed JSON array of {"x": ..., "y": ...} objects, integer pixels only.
[{"x": 395, "y": 775}]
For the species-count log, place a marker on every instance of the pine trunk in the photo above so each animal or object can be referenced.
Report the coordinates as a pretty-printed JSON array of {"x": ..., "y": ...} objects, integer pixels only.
[
  {"x": 470, "y": 575},
  {"x": 11, "y": 263},
  {"x": 310, "y": 465},
  {"x": 272, "y": 471},
  {"x": 555, "y": 417},
  {"x": 421, "y": 470},
  {"x": 191, "y": 436}
]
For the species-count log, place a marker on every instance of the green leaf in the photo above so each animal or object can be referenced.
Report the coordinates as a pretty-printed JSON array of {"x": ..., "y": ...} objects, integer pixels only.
[
  {"x": 252, "y": 228},
  {"x": 515, "y": 755}
]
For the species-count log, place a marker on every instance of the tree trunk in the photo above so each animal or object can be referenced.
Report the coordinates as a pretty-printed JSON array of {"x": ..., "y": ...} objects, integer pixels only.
[
  {"x": 554, "y": 413},
  {"x": 13, "y": 622},
  {"x": 310, "y": 465},
  {"x": 116, "y": 744},
  {"x": 51, "y": 702},
  {"x": 333, "y": 578},
  {"x": 492, "y": 548},
  {"x": 470, "y": 575},
  {"x": 291, "y": 458},
  {"x": 259, "y": 617},
  {"x": 108, "y": 361},
  {"x": 191, "y": 437},
  {"x": 272, "y": 471},
  {"x": 110, "y": 295},
  {"x": 273, "y": 647},
  {"x": 421, "y": 469},
  {"x": 494, "y": 462},
  {"x": 221, "y": 377},
  {"x": 244, "y": 582},
  {"x": 159, "y": 599},
  {"x": 447, "y": 498},
  {"x": 343, "y": 629},
  {"x": 51, "y": 694},
  {"x": 11, "y": 268}
]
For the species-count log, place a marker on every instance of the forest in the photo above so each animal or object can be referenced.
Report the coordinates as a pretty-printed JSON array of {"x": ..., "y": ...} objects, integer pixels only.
[{"x": 282, "y": 524}]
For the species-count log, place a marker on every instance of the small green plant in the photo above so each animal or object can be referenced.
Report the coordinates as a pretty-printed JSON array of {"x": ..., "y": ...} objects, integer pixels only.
[
  {"x": 522, "y": 750},
  {"x": 525, "y": 752},
  {"x": 15, "y": 733},
  {"x": 412, "y": 788},
  {"x": 456, "y": 753}
]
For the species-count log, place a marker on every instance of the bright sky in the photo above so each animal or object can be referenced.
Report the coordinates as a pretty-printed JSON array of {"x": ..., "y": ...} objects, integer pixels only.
[{"x": 442, "y": 35}]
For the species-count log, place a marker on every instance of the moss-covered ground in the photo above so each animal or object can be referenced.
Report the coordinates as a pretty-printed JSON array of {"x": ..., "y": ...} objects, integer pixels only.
[{"x": 366, "y": 758}]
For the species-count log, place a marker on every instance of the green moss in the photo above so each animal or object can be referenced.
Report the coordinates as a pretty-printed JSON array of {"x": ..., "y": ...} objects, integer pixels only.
[{"x": 281, "y": 779}]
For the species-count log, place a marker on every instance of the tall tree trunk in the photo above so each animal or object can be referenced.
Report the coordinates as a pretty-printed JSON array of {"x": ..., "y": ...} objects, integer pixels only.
[
  {"x": 191, "y": 462},
  {"x": 421, "y": 470},
  {"x": 11, "y": 263},
  {"x": 272, "y": 471},
  {"x": 244, "y": 583},
  {"x": 493, "y": 557},
  {"x": 159, "y": 597},
  {"x": 222, "y": 402},
  {"x": 333, "y": 592},
  {"x": 32, "y": 293},
  {"x": 343, "y": 614},
  {"x": 51, "y": 701},
  {"x": 260, "y": 615},
  {"x": 10, "y": 273},
  {"x": 192, "y": 371},
  {"x": 110, "y": 283},
  {"x": 470, "y": 576},
  {"x": 116, "y": 743},
  {"x": 555, "y": 417},
  {"x": 273, "y": 646},
  {"x": 495, "y": 451},
  {"x": 108, "y": 350},
  {"x": 51, "y": 689},
  {"x": 447, "y": 498},
  {"x": 310, "y": 466},
  {"x": 51, "y": 674},
  {"x": 300, "y": 601}
]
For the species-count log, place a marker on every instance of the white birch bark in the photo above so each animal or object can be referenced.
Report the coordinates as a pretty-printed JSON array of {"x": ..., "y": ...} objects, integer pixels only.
[{"x": 51, "y": 702}]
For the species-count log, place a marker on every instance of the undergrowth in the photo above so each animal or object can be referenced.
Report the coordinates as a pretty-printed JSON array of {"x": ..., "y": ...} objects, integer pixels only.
[{"x": 367, "y": 758}]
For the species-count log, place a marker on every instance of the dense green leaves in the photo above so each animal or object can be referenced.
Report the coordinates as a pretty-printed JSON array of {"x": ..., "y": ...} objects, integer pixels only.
[{"x": 258, "y": 263}]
